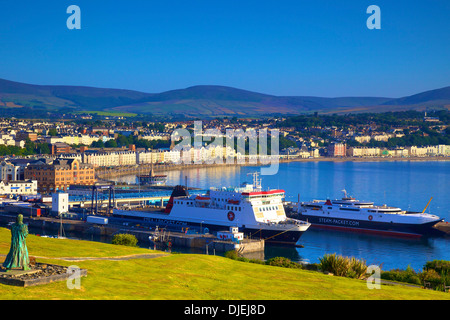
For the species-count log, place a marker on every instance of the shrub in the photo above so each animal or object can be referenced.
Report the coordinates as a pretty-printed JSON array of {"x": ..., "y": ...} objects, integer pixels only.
[
  {"x": 343, "y": 266},
  {"x": 257, "y": 261},
  {"x": 311, "y": 266},
  {"x": 407, "y": 276},
  {"x": 433, "y": 278},
  {"x": 283, "y": 262},
  {"x": 232, "y": 254},
  {"x": 440, "y": 266},
  {"x": 437, "y": 273},
  {"x": 358, "y": 268},
  {"x": 125, "y": 239},
  {"x": 242, "y": 259}
]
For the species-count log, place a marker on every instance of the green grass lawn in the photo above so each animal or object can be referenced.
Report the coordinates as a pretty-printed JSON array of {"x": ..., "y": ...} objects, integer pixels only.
[{"x": 187, "y": 277}]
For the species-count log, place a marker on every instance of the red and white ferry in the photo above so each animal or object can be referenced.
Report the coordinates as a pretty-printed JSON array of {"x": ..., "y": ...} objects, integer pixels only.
[{"x": 259, "y": 214}]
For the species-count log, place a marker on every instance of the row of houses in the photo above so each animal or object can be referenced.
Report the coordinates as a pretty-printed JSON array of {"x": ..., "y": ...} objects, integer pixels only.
[
  {"x": 377, "y": 137},
  {"x": 165, "y": 155},
  {"x": 412, "y": 151},
  {"x": 80, "y": 139}
]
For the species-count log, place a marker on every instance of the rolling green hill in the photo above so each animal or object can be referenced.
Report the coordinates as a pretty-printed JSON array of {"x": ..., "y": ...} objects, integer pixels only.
[{"x": 205, "y": 100}]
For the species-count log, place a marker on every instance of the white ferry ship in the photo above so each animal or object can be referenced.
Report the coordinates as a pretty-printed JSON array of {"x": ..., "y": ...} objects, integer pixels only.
[
  {"x": 259, "y": 214},
  {"x": 351, "y": 214}
]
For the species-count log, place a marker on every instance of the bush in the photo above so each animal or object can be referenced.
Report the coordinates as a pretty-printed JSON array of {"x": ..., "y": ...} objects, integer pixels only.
[
  {"x": 437, "y": 273},
  {"x": 311, "y": 266},
  {"x": 442, "y": 267},
  {"x": 283, "y": 262},
  {"x": 433, "y": 278},
  {"x": 343, "y": 266},
  {"x": 125, "y": 239},
  {"x": 257, "y": 261},
  {"x": 407, "y": 276},
  {"x": 232, "y": 254}
]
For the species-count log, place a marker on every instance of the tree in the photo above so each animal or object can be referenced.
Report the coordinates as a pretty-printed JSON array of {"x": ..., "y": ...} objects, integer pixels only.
[
  {"x": 97, "y": 144},
  {"x": 125, "y": 239},
  {"x": 111, "y": 144},
  {"x": 52, "y": 132},
  {"x": 43, "y": 148}
]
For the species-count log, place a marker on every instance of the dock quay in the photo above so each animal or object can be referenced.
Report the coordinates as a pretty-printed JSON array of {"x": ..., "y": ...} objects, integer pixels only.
[
  {"x": 208, "y": 242},
  {"x": 443, "y": 226}
]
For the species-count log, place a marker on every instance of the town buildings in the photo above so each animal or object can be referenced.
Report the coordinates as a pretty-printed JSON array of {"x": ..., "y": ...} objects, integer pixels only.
[
  {"x": 60, "y": 148},
  {"x": 23, "y": 187},
  {"x": 60, "y": 174},
  {"x": 74, "y": 156},
  {"x": 337, "y": 149},
  {"x": 110, "y": 159}
]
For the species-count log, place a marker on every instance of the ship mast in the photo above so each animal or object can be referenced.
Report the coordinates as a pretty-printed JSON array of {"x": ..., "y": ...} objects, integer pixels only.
[
  {"x": 152, "y": 173},
  {"x": 256, "y": 181}
]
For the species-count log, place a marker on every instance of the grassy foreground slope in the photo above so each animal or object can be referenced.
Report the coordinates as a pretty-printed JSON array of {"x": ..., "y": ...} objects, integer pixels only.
[{"x": 186, "y": 277}]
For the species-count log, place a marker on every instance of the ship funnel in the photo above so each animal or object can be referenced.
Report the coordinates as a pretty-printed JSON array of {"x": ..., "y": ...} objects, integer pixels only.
[{"x": 178, "y": 191}]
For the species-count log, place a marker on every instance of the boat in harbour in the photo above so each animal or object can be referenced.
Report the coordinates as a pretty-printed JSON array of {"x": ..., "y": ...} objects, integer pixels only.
[
  {"x": 349, "y": 213},
  {"x": 152, "y": 179},
  {"x": 257, "y": 213}
]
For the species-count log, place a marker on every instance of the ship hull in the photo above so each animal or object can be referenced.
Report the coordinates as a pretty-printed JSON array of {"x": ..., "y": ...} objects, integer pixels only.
[
  {"x": 285, "y": 237},
  {"x": 278, "y": 237},
  {"x": 376, "y": 227}
]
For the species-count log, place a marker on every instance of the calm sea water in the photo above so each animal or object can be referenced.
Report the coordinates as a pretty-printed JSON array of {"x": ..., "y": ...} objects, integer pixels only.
[{"x": 406, "y": 184}]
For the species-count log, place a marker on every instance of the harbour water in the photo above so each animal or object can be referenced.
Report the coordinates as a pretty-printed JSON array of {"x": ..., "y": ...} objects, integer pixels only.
[{"x": 405, "y": 184}]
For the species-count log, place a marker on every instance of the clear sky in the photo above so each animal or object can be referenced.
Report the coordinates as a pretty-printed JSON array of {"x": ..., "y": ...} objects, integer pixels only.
[{"x": 282, "y": 47}]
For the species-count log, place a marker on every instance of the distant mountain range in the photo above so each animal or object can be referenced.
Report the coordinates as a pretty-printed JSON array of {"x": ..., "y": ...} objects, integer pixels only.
[{"x": 205, "y": 100}]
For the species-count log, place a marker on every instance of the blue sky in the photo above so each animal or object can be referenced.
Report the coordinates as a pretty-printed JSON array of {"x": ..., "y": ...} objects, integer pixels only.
[{"x": 283, "y": 47}]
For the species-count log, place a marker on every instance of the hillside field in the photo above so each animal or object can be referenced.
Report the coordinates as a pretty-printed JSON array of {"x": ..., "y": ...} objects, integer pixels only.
[{"x": 185, "y": 277}]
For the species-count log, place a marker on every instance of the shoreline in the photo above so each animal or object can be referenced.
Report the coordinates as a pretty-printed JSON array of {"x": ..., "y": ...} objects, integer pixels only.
[
  {"x": 104, "y": 174},
  {"x": 366, "y": 159}
]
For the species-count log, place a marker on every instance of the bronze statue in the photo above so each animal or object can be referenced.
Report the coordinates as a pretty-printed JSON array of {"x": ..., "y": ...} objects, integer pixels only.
[{"x": 18, "y": 253}]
